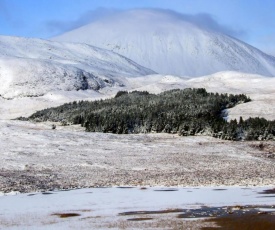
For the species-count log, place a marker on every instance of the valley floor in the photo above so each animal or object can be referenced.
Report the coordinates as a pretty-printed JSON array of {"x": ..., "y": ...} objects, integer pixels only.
[
  {"x": 34, "y": 157},
  {"x": 181, "y": 182}
]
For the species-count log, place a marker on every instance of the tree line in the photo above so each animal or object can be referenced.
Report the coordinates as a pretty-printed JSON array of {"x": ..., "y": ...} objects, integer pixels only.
[{"x": 186, "y": 112}]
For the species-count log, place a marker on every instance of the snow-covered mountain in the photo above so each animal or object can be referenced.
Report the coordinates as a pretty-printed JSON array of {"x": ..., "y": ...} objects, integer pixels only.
[
  {"x": 33, "y": 67},
  {"x": 38, "y": 73},
  {"x": 169, "y": 43}
]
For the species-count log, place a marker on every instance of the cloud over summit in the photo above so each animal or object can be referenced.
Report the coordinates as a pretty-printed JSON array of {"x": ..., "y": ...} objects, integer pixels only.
[{"x": 202, "y": 20}]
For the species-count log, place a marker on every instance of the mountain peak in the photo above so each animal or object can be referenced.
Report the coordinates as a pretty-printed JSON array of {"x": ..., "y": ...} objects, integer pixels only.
[{"x": 172, "y": 43}]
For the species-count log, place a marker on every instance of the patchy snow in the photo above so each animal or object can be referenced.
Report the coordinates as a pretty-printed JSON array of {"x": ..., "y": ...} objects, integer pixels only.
[
  {"x": 169, "y": 43},
  {"x": 36, "y": 157}
]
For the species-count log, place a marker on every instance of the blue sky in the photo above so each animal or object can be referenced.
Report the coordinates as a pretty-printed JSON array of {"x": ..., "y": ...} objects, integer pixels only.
[{"x": 251, "y": 20}]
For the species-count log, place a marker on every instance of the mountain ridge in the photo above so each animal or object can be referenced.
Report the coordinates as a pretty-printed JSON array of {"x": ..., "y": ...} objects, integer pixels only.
[{"x": 33, "y": 67}]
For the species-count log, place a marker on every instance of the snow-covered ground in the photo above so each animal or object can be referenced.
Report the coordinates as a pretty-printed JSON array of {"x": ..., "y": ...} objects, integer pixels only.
[
  {"x": 103, "y": 208},
  {"x": 35, "y": 157}
]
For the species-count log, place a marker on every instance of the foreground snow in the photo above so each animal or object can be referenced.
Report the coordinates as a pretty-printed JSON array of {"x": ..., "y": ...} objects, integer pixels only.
[{"x": 100, "y": 208}]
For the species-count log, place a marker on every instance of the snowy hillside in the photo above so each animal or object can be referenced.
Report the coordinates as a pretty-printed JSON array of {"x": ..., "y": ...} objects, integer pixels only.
[
  {"x": 169, "y": 43},
  {"x": 260, "y": 89},
  {"x": 34, "y": 67}
]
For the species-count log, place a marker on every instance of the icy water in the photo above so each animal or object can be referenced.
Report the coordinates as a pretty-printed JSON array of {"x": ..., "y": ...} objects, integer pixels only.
[{"x": 117, "y": 206}]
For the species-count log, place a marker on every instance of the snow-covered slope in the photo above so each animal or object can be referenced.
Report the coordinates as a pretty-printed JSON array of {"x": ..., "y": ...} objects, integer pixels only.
[
  {"x": 260, "y": 89},
  {"x": 33, "y": 67},
  {"x": 168, "y": 43}
]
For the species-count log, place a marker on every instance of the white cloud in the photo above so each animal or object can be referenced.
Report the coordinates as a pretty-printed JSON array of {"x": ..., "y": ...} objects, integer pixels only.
[{"x": 204, "y": 20}]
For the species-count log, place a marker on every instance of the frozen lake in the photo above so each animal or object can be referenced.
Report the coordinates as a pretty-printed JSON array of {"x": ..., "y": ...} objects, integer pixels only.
[{"x": 102, "y": 208}]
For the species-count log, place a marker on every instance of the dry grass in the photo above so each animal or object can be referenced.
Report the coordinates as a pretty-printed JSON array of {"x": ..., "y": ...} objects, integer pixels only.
[
  {"x": 66, "y": 215},
  {"x": 259, "y": 221},
  {"x": 160, "y": 222}
]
